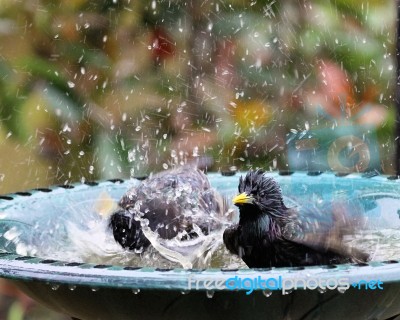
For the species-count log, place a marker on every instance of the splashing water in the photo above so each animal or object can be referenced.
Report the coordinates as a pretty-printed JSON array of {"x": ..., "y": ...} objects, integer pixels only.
[
  {"x": 189, "y": 253},
  {"x": 82, "y": 234},
  {"x": 382, "y": 244}
]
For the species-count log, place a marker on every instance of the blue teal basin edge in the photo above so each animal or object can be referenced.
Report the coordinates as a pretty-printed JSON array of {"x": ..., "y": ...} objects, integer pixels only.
[
  {"x": 90, "y": 291},
  {"x": 178, "y": 279},
  {"x": 297, "y": 185}
]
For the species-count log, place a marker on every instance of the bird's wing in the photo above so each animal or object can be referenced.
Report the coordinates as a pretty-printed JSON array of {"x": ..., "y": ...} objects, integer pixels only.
[
  {"x": 231, "y": 239},
  {"x": 323, "y": 229}
]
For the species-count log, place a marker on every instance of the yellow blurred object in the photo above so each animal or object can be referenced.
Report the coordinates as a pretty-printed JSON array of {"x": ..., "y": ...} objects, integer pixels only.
[
  {"x": 105, "y": 205},
  {"x": 250, "y": 113}
]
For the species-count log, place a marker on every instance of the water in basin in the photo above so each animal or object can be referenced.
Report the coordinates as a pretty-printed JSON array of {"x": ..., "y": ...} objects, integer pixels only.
[{"x": 77, "y": 229}]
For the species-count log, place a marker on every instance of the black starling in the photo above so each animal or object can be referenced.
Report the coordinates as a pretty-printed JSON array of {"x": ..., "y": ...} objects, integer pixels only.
[
  {"x": 271, "y": 235},
  {"x": 175, "y": 204}
]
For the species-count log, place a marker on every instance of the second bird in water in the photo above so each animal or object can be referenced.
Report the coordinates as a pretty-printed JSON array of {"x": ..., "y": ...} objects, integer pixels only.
[
  {"x": 269, "y": 234},
  {"x": 176, "y": 211}
]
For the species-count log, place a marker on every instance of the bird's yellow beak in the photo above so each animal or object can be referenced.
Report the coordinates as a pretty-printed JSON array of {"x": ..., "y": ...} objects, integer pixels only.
[{"x": 242, "y": 198}]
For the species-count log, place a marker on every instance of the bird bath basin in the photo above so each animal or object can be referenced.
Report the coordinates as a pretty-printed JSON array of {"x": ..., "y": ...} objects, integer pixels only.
[{"x": 104, "y": 291}]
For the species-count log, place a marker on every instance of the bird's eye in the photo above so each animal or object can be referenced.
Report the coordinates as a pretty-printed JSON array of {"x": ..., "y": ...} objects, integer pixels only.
[{"x": 254, "y": 194}]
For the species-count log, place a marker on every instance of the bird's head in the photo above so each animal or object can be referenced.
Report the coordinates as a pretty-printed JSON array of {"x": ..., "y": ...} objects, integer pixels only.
[{"x": 259, "y": 194}]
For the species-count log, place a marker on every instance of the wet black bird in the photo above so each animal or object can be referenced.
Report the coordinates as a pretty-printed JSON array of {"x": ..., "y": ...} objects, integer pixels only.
[
  {"x": 178, "y": 203},
  {"x": 271, "y": 235}
]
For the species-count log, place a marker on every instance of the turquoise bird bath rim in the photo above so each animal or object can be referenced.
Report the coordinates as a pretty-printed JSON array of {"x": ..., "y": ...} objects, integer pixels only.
[{"x": 100, "y": 291}]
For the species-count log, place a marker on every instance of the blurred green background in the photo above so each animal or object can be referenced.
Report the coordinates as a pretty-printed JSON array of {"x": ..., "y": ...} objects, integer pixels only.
[{"x": 116, "y": 88}]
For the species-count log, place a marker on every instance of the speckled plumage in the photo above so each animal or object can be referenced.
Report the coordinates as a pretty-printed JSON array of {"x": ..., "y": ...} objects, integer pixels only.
[
  {"x": 269, "y": 234},
  {"x": 174, "y": 202}
]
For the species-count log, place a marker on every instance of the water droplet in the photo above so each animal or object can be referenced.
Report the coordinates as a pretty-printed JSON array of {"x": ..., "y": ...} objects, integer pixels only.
[
  {"x": 135, "y": 291},
  {"x": 321, "y": 290},
  {"x": 66, "y": 128},
  {"x": 71, "y": 84},
  {"x": 21, "y": 249},
  {"x": 12, "y": 233},
  {"x": 341, "y": 289},
  {"x": 267, "y": 293},
  {"x": 131, "y": 155},
  {"x": 286, "y": 292},
  {"x": 55, "y": 287},
  {"x": 274, "y": 163},
  {"x": 210, "y": 294},
  {"x": 138, "y": 250}
]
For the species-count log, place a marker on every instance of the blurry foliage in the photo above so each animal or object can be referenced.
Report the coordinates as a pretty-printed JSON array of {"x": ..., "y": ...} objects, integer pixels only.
[{"x": 102, "y": 89}]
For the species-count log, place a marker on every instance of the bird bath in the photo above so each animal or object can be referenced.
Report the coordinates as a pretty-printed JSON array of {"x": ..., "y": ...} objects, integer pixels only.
[{"x": 102, "y": 291}]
